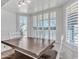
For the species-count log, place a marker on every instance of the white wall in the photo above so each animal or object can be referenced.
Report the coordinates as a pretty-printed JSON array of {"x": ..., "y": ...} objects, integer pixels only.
[
  {"x": 59, "y": 23},
  {"x": 8, "y": 23}
]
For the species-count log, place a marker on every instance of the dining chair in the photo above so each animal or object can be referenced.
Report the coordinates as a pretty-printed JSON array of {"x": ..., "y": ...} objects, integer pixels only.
[
  {"x": 60, "y": 47},
  {"x": 49, "y": 54},
  {"x": 14, "y": 35}
]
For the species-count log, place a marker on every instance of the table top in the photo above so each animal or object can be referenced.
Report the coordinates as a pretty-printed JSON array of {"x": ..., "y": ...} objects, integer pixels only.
[{"x": 28, "y": 45}]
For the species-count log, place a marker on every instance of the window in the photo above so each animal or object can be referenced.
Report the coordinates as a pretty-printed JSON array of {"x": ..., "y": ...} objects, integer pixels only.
[
  {"x": 23, "y": 25},
  {"x": 41, "y": 25},
  {"x": 46, "y": 25},
  {"x": 34, "y": 22},
  {"x": 34, "y": 26},
  {"x": 72, "y": 24},
  {"x": 53, "y": 25},
  {"x": 40, "y": 22}
]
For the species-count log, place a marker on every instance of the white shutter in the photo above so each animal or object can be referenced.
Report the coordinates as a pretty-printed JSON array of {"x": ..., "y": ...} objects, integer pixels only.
[{"x": 72, "y": 23}]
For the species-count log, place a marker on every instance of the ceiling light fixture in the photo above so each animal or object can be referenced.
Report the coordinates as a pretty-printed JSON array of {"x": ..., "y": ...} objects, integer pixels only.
[
  {"x": 19, "y": 5},
  {"x": 23, "y": 2},
  {"x": 28, "y": 1}
]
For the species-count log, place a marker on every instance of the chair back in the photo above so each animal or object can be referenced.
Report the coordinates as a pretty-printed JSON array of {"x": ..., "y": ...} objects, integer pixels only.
[
  {"x": 14, "y": 35},
  {"x": 60, "y": 48}
]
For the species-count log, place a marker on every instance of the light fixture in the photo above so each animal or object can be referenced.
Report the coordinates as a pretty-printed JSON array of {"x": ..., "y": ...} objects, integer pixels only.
[
  {"x": 28, "y": 1},
  {"x": 19, "y": 5},
  {"x": 23, "y": 2}
]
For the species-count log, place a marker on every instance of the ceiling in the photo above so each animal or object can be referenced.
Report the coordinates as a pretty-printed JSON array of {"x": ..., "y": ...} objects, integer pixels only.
[{"x": 36, "y": 5}]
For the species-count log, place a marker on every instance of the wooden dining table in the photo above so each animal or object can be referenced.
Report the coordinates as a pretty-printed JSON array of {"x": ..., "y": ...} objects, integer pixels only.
[{"x": 33, "y": 47}]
